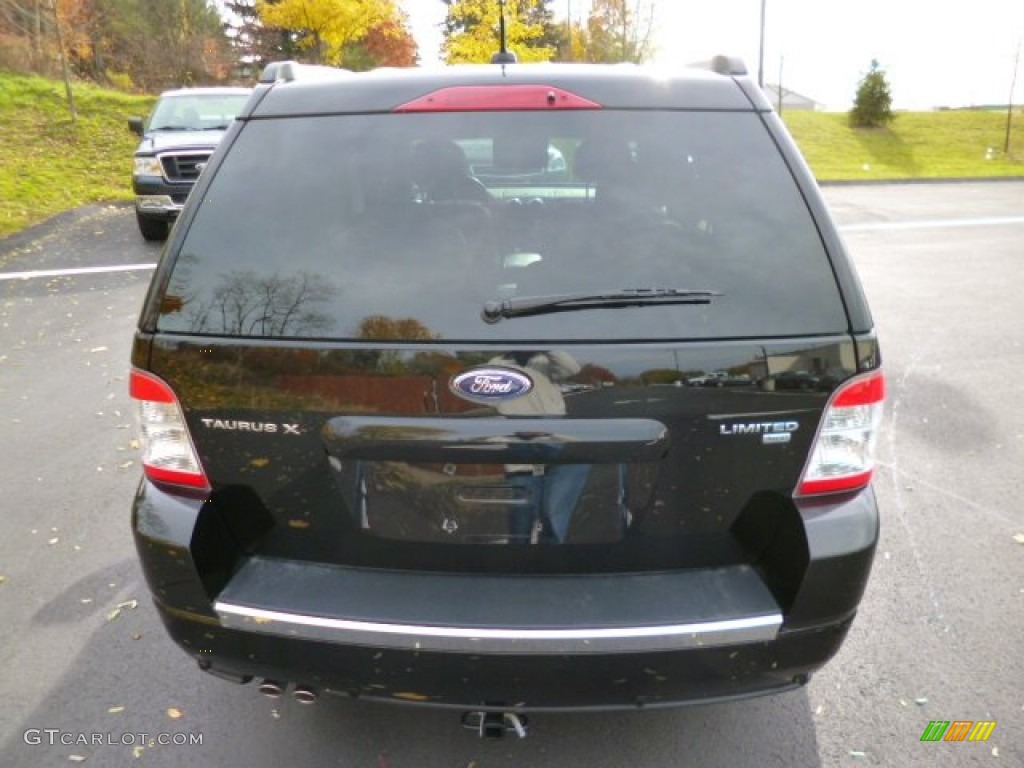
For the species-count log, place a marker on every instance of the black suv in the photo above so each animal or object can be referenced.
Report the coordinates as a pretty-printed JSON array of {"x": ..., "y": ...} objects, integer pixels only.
[
  {"x": 413, "y": 383},
  {"x": 178, "y": 138}
]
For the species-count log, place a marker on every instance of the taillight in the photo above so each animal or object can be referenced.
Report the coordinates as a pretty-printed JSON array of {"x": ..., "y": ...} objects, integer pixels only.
[
  {"x": 168, "y": 455},
  {"x": 484, "y": 98},
  {"x": 842, "y": 458}
]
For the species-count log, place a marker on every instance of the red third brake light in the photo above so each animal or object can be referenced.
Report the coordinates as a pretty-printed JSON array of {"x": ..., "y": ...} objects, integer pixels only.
[
  {"x": 490, "y": 98},
  {"x": 167, "y": 452},
  {"x": 842, "y": 458}
]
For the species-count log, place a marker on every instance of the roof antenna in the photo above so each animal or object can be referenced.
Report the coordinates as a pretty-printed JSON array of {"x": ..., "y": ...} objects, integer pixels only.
[{"x": 504, "y": 56}]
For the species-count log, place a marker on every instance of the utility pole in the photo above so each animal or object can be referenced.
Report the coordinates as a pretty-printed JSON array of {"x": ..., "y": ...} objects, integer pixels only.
[
  {"x": 568, "y": 25},
  {"x": 760, "y": 52},
  {"x": 1009, "y": 102},
  {"x": 782, "y": 61}
]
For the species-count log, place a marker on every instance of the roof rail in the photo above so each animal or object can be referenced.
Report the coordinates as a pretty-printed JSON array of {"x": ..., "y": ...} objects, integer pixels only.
[
  {"x": 289, "y": 71},
  {"x": 724, "y": 65}
]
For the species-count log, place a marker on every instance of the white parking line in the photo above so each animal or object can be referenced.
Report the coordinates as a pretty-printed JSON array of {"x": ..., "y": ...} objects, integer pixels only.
[
  {"x": 78, "y": 271},
  {"x": 988, "y": 221}
]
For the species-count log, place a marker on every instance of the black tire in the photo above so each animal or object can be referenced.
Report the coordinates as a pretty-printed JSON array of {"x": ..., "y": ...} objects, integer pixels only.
[{"x": 152, "y": 229}]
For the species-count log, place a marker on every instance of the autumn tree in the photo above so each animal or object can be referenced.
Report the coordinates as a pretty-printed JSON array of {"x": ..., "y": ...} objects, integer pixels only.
[
  {"x": 471, "y": 30},
  {"x": 115, "y": 40},
  {"x": 553, "y": 36},
  {"x": 325, "y": 27},
  {"x": 386, "y": 44},
  {"x": 619, "y": 31},
  {"x": 254, "y": 43}
]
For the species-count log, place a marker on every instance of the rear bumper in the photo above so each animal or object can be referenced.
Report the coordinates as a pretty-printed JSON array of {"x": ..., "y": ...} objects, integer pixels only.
[
  {"x": 507, "y": 614},
  {"x": 521, "y": 641},
  {"x": 500, "y": 682}
]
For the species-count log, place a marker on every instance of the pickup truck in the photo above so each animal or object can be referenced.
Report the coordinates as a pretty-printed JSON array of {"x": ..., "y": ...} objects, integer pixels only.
[
  {"x": 719, "y": 379},
  {"x": 178, "y": 138}
]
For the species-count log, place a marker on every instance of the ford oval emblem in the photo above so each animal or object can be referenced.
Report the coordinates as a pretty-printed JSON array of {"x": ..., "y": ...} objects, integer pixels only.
[{"x": 491, "y": 385}]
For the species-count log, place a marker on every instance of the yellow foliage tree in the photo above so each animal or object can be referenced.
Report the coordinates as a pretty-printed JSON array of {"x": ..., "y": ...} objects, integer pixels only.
[
  {"x": 471, "y": 31},
  {"x": 327, "y": 26}
]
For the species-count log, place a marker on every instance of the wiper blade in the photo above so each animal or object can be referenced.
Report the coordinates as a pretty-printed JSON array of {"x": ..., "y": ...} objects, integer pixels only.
[
  {"x": 175, "y": 128},
  {"x": 526, "y": 306}
]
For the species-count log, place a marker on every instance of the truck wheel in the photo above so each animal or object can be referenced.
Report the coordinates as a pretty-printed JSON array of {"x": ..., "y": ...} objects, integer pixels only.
[{"x": 152, "y": 229}]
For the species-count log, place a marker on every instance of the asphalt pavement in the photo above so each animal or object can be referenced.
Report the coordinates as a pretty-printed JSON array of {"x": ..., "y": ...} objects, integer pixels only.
[{"x": 87, "y": 674}]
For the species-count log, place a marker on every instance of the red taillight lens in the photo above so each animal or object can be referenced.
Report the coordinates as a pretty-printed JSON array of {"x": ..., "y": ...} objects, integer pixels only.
[
  {"x": 485, "y": 98},
  {"x": 168, "y": 455},
  {"x": 842, "y": 458}
]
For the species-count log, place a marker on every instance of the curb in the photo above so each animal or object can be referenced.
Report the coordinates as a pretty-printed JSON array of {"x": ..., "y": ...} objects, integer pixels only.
[{"x": 930, "y": 180}]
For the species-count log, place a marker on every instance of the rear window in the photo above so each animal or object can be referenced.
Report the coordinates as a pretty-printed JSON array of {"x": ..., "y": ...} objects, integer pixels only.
[{"x": 403, "y": 226}]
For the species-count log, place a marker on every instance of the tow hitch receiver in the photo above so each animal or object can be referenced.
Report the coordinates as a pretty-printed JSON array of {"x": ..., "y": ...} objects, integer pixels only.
[{"x": 494, "y": 725}]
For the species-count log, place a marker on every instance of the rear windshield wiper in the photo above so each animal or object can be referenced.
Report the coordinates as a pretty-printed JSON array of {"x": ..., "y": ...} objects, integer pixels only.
[
  {"x": 526, "y": 306},
  {"x": 175, "y": 128}
]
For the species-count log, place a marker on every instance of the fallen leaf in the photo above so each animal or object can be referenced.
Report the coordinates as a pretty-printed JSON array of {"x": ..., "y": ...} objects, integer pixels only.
[
  {"x": 113, "y": 614},
  {"x": 856, "y": 753},
  {"x": 137, "y": 752},
  {"x": 921, "y": 701},
  {"x": 76, "y": 758},
  {"x": 3, "y": 579},
  {"x": 275, "y": 714},
  {"x": 115, "y": 710},
  {"x": 85, "y": 600},
  {"x": 136, "y": 636},
  {"x": 410, "y": 696},
  {"x": 259, "y": 463},
  {"x": 126, "y": 465},
  {"x": 174, "y": 713},
  {"x": 298, "y": 524},
  {"x": 995, "y": 751},
  {"x": 130, "y": 604},
  {"x": 98, "y": 349},
  {"x": 1019, "y": 538},
  {"x": 53, "y": 541}
]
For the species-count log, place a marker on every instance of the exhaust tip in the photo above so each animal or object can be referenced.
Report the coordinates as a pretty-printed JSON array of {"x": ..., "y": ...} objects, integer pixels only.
[
  {"x": 272, "y": 688},
  {"x": 304, "y": 694}
]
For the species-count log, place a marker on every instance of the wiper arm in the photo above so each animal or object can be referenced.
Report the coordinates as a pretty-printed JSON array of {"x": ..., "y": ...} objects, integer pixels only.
[{"x": 526, "y": 306}]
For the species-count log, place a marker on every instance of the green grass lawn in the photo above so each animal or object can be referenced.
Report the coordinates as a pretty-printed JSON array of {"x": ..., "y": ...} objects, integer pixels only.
[
  {"x": 948, "y": 144},
  {"x": 48, "y": 165}
]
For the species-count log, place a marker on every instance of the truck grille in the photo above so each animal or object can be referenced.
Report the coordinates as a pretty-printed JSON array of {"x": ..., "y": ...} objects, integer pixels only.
[{"x": 183, "y": 166}]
